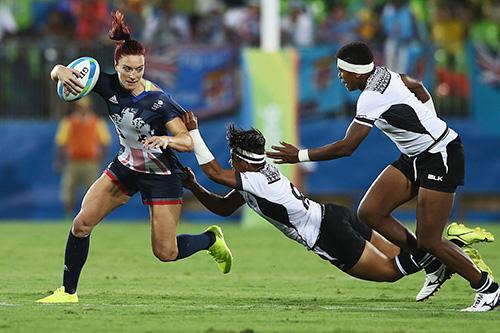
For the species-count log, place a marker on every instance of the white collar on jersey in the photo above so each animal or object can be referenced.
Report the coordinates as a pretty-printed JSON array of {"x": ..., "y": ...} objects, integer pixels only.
[
  {"x": 353, "y": 68},
  {"x": 248, "y": 156}
]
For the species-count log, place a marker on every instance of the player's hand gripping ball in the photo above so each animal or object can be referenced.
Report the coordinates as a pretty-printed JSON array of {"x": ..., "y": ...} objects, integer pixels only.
[{"x": 89, "y": 74}]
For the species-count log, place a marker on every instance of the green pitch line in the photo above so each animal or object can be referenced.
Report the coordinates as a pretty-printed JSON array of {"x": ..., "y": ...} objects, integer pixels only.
[{"x": 275, "y": 286}]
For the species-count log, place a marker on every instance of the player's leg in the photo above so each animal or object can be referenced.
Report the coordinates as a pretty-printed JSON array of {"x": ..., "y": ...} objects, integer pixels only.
[
  {"x": 440, "y": 173},
  {"x": 341, "y": 244},
  {"x": 102, "y": 198},
  {"x": 373, "y": 265},
  {"x": 168, "y": 246},
  {"x": 433, "y": 210},
  {"x": 377, "y": 240},
  {"x": 164, "y": 195},
  {"x": 164, "y": 221},
  {"x": 384, "y": 246},
  {"x": 390, "y": 190}
]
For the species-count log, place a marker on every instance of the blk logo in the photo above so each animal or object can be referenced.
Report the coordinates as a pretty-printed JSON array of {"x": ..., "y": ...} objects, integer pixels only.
[{"x": 436, "y": 178}]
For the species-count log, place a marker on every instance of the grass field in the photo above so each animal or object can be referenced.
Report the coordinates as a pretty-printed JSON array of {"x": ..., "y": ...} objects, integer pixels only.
[{"x": 275, "y": 286}]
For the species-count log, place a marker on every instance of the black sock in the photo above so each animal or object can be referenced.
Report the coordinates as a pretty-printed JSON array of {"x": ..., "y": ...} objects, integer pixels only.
[
  {"x": 406, "y": 263},
  {"x": 485, "y": 284},
  {"x": 433, "y": 266},
  {"x": 423, "y": 259},
  {"x": 77, "y": 250},
  {"x": 190, "y": 244}
]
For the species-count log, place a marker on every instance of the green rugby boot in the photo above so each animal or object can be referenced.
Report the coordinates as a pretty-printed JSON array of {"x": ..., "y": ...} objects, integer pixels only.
[
  {"x": 220, "y": 251},
  {"x": 59, "y": 296},
  {"x": 476, "y": 258},
  {"x": 467, "y": 235}
]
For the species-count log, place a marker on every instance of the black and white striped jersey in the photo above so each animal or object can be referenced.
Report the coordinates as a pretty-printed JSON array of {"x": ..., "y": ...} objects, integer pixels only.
[
  {"x": 271, "y": 195},
  {"x": 394, "y": 109}
]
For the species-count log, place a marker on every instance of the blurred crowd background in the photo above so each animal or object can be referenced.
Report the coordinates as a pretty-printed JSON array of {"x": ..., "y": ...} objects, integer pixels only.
[
  {"x": 195, "y": 53},
  {"x": 408, "y": 36}
]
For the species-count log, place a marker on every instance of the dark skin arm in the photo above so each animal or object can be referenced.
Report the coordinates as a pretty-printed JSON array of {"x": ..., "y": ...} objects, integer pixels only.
[
  {"x": 355, "y": 134},
  {"x": 220, "y": 205},
  {"x": 212, "y": 169},
  {"x": 416, "y": 87}
]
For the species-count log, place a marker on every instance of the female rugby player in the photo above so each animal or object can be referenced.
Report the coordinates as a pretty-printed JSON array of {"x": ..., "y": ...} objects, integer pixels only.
[
  {"x": 431, "y": 167},
  {"x": 150, "y": 129}
]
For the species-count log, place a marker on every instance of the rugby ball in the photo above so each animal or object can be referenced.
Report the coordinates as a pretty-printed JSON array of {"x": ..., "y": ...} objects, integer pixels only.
[{"x": 89, "y": 72}]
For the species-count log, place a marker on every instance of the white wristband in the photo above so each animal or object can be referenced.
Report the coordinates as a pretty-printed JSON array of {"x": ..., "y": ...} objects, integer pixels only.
[
  {"x": 201, "y": 151},
  {"x": 303, "y": 155}
]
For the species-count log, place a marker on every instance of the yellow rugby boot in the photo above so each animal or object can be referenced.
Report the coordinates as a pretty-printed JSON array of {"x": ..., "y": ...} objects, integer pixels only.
[
  {"x": 468, "y": 235},
  {"x": 59, "y": 296},
  {"x": 476, "y": 258},
  {"x": 219, "y": 250}
]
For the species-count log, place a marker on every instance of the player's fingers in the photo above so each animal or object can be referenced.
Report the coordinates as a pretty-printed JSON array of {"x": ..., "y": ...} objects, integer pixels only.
[
  {"x": 148, "y": 140},
  {"x": 273, "y": 154},
  {"x": 75, "y": 83},
  {"x": 69, "y": 89},
  {"x": 278, "y": 148},
  {"x": 76, "y": 73},
  {"x": 285, "y": 144}
]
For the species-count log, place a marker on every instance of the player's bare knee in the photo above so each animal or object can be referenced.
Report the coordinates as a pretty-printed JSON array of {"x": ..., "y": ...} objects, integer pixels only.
[
  {"x": 82, "y": 228},
  {"x": 166, "y": 254}
]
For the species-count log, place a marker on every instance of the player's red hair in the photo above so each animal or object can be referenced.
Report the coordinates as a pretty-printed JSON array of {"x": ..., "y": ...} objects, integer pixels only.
[{"x": 121, "y": 33}]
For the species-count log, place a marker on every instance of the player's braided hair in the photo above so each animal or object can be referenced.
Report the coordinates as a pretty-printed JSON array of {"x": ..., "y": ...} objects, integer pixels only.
[
  {"x": 250, "y": 140},
  {"x": 357, "y": 53}
]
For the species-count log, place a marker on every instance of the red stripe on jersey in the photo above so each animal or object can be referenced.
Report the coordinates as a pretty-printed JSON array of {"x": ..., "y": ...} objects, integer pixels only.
[
  {"x": 138, "y": 162},
  {"x": 126, "y": 159},
  {"x": 115, "y": 181},
  {"x": 159, "y": 164},
  {"x": 163, "y": 202}
]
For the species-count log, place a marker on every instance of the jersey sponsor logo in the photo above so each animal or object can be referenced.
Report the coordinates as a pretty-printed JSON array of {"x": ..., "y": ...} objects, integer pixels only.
[
  {"x": 434, "y": 177},
  {"x": 156, "y": 105},
  {"x": 113, "y": 99}
]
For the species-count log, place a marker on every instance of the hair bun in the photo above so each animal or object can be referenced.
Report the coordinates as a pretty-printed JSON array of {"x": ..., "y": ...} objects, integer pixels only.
[{"x": 119, "y": 31}]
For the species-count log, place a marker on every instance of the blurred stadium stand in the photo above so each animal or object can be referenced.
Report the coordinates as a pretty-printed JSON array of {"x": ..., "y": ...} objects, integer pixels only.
[{"x": 195, "y": 55}]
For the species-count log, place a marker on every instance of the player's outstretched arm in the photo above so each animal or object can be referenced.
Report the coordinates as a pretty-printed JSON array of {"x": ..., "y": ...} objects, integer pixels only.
[
  {"x": 205, "y": 159},
  {"x": 287, "y": 153},
  {"x": 220, "y": 205}
]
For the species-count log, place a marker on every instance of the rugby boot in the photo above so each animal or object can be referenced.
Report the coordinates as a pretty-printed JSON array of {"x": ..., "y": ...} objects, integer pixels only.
[
  {"x": 219, "y": 250},
  {"x": 59, "y": 296}
]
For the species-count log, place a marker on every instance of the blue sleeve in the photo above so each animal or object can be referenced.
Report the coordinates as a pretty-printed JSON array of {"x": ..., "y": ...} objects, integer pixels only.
[
  {"x": 171, "y": 109},
  {"x": 176, "y": 108}
]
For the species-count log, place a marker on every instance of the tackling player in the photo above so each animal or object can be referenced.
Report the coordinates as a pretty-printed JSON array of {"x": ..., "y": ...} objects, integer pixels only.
[{"x": 333, "y": 232}]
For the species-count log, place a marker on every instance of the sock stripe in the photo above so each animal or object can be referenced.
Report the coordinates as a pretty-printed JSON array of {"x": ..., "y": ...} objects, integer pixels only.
[
  {"x": 426, "y": 260},
  {"x": 400, "y": 267},
  {"x": 485, "y": 286}
]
